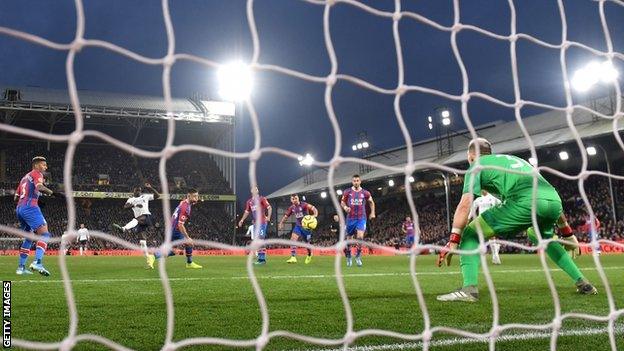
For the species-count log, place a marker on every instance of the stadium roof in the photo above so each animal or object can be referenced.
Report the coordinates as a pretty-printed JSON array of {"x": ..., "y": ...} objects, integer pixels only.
[
  {"x": 546, "y": 129},
  {"x": 114, "y": 104}
]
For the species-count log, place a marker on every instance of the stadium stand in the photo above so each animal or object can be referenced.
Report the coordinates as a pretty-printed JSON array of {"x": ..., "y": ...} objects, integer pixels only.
[{"x": 124, "y": 171}]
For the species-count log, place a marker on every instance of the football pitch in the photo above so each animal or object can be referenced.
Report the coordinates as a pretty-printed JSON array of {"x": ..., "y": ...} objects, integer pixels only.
[{"x": 120, "y": 300}]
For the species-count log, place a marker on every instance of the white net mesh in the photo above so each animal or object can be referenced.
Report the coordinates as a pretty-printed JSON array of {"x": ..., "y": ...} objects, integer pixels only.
[{"x": 350, "y": 335}]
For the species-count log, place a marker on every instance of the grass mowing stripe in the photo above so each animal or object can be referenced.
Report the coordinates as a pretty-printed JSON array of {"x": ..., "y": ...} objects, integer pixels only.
[
  {"x": 309, "y": 276},
  {"x": 463, "y": 341}
]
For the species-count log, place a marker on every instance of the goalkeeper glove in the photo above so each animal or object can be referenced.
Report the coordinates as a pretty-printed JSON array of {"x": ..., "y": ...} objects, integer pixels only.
[
  {"x": 446, "y": 254},
  {"x": 573, "y": 247}
]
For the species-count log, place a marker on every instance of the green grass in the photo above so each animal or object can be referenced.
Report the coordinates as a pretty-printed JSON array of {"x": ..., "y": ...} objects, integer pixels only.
[{"x": 120, "y": 300}]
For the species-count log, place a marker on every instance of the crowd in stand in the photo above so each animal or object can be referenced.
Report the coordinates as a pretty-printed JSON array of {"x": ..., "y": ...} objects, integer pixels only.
[
  {"x": 210, "y": 221},
  {"x": 120, "y": 171}
]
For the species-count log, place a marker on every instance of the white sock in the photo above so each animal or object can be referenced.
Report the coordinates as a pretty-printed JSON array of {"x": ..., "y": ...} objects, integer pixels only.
[
  {"x": 81, "y": 251},
  {"x": 133, "y": 223},
  {"x": 143, "y": 244}
]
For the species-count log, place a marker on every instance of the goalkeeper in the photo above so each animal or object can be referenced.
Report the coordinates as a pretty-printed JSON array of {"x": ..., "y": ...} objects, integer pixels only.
[{"x": 513, "y": 216}]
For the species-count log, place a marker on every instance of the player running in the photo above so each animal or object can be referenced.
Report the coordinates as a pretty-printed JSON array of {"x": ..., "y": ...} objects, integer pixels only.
[
  {"x": 140, "y": 207},
  {"x": 353, "y": 202},
  {"x": 179, "y": 232},
  {"x": 514, "y": 215},
  {"x": 260, "y": 218},
  {"x": 30, "y": 217},
  {"x": 299, "y": 209},
  {"x": 479, "y": 206},
  {"x": 83, "y": 238},
  {"x": 408, "y": 229}
]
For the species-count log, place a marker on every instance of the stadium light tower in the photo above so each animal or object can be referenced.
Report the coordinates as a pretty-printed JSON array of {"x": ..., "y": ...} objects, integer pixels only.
[
  {"x": 440, "y": 123},
  {"x": 235, "y": 81},
  {"x": 362, "y": 147},
  {"x": 593, "y": 73},
  {"x": 308, "y": 160}
]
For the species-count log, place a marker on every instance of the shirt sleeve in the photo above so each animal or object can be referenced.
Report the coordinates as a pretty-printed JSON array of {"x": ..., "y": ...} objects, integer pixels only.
[
  {"x": 307, "y": 207},
  {"x": 264, "y": 202},
  {"x": 345, "y": 195},
  {"x": 148, "y": 197},
  {"x": 37, "y": 177},
  {"x": 476, "y": 190},
  {"x": 288, "y": 212},
  {"x": 248, "y": 206}
]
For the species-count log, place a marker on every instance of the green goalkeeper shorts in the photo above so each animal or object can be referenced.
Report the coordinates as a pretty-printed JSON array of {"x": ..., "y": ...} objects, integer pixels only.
[{"x": 512, "y": 217}]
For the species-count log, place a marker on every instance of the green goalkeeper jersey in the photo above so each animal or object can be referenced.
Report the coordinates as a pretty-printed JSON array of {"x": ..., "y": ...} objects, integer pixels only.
[{"x": 505, "y": 185}]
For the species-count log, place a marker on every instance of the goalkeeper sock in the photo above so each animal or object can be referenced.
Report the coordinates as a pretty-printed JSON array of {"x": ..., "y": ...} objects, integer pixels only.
[
  {"x": 293, "y": 251},
  {"x": 24, "y": 252},
  {"x": 469, "y": 241},
  {"x": 557, "y": 254},
  {"x": 42, "y": 245},
  {"x": 189, "y": 254},
  {"x": 469, "y": 264}
]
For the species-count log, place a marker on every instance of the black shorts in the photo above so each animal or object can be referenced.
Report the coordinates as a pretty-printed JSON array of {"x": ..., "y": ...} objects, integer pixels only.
[
  {"x": 145, "y": 222},
  {"x": 83, "y": 242}
]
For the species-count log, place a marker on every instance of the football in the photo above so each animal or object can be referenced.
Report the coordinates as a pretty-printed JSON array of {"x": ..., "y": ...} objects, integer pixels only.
[{"x": 309, "y": 222}]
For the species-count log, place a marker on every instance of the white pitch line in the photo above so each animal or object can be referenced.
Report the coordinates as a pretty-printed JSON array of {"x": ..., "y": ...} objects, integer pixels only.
[
  {"x": 310, "y": 276},
  {"x": 463, "y": 341}
]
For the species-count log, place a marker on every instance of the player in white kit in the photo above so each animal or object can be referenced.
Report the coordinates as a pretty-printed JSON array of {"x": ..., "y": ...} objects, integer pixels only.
[
  {"x": 83, "y": 238},
  {"x": 480, "y": 205},
  {"x": 142, "y": 215}
]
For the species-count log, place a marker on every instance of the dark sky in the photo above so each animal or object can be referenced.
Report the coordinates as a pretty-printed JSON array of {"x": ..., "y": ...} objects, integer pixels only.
[{"x": 291, "y": 111}]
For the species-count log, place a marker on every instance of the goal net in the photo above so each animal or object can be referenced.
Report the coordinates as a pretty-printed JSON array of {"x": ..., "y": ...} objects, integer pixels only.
[{"x": 407, "y": 169}]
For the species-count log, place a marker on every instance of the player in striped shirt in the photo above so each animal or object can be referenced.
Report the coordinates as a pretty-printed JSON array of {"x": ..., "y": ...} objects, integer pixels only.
[
  {"x": 260, "y": 211},
  {"x": 179, "y": 232},
  {"x": 408, "y": 229},
  {"x": 353, "y": 202},
  {"x": 30, "y": 216},
  {"x": 299, "y": 209}
]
